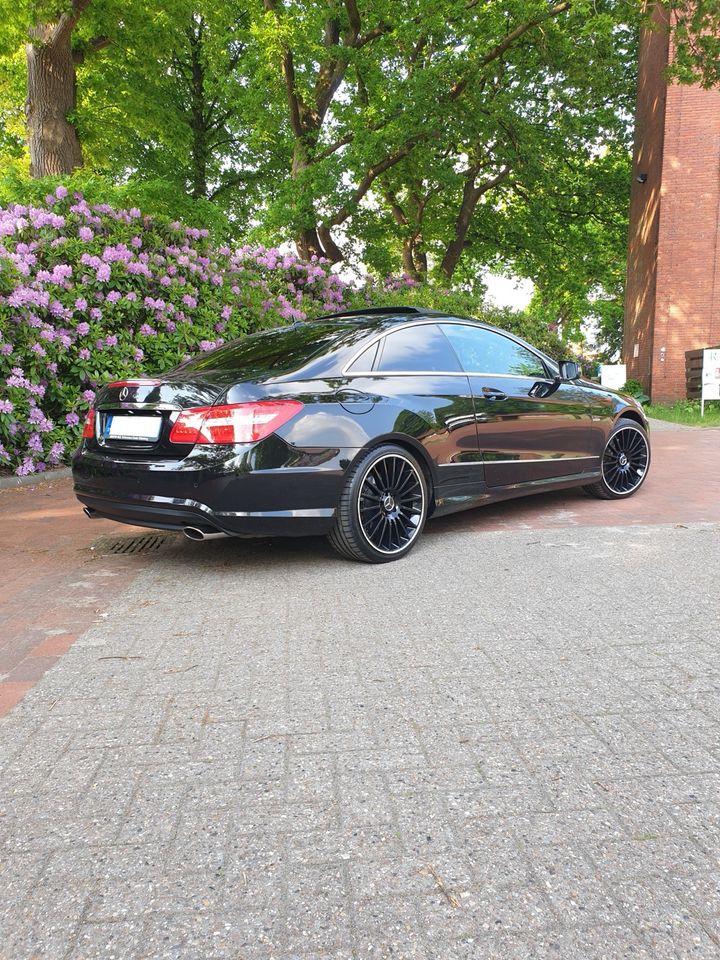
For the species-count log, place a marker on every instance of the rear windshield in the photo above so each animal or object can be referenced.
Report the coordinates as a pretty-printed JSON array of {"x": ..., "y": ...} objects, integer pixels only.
[{"x": 271, "y": 352}]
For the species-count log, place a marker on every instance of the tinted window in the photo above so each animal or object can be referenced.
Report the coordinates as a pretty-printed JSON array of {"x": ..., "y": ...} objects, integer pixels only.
[
  {"x": 420, "y": 349},
  {"x": 365, "y": 361},
  {"x": 273, "y": 351},
  {"x": 482, "y": 351}
]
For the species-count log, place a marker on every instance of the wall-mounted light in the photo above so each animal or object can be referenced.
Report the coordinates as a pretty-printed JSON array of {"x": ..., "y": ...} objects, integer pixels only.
[{"x": 641, "y": 178}]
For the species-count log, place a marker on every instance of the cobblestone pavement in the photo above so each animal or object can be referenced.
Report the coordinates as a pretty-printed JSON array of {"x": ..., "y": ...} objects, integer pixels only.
[
  {"x": 504, "y": 746},
  {"x": 53, "y": 581}
]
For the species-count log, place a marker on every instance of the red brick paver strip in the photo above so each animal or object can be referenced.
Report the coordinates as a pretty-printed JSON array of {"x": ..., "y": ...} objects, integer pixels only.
[
  {"x": 683, "y": 487},
  {"x": 54, "y": 585}
]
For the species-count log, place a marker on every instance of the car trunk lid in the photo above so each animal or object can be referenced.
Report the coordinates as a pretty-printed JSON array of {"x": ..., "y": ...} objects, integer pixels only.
[{"x": 133, "y": 418}]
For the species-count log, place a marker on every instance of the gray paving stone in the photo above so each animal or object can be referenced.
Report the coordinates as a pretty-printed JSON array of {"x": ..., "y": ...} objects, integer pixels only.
[{"x": 328, "y": 761}]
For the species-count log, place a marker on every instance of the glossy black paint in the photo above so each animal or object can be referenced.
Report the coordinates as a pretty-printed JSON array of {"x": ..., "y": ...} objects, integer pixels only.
[{"x": 480, "y": 437}]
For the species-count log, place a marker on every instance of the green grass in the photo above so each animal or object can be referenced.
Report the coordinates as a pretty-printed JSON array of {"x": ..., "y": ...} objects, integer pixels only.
[{"x": 687, "y": 412}]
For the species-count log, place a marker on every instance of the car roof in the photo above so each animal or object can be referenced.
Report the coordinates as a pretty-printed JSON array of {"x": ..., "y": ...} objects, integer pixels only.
[
  {"x": 365, "y": 323},
  {"x": 378, "y": 316},
  {"x": 375, "y": 319}
]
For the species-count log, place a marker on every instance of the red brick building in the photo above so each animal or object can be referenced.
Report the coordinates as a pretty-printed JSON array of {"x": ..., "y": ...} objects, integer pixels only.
[{"x": 672, "y": 301}]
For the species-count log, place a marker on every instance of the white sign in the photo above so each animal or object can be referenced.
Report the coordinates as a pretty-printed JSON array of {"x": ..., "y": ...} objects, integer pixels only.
[
  {"x": 710, "y": 377},
  {"x": 613, "y": 375}
]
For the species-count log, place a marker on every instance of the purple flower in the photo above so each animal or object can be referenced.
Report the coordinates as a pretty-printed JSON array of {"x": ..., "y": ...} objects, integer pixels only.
[
  {"x": 27, "y": 466},
  {"x": 96, "y": 313},
  {"x": 83, "y": 328},
  {"x": 56, "y": 452},
  {"x": 138, "y": 354},
  {"x": 81, "y": 303},
  {"x": 103, "y": 272},
  {"x": 84, "y": 353},
  {"x": 85, "y": 233},
  {"x": 35, "y": 443},
  {"x": 72, "y": 419},
  {"x": 61, "y": 192},
  {"x": 111, "y": 340},
  {"x": 113, "y": 296},
  {"x": 88, "y": 395},
  {"x": 6, "y": 406},
  {"x": 146, "y": 330}
]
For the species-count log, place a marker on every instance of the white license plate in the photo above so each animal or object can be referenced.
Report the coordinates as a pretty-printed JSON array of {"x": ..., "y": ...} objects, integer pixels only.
[{"x": 132, "y": 428}]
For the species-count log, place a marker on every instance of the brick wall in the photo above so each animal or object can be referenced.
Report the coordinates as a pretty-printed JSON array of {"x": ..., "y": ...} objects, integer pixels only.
[
  {"x": 645, "y": 206},
  {"x": 673, "y": 290}
]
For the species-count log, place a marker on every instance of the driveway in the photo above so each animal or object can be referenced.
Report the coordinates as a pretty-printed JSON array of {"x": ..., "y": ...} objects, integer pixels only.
[{"x": 506, "y": 745}]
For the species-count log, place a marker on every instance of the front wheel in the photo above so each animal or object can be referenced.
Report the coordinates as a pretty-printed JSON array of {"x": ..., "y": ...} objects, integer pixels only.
[
  {"x": 383, "y": 507},
  {"x": 625, "y": 462}
]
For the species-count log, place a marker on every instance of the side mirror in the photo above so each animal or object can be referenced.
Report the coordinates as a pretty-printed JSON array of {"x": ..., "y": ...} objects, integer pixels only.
[{"x": 569, "y": 370}]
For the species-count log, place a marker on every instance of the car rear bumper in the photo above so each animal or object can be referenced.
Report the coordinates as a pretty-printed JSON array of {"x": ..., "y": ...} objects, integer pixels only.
[{"x": 213, "y": 491}]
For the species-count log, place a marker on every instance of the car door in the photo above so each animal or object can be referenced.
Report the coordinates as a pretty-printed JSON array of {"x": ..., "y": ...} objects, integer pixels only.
[
  {"x": 531, "y": 428},
  {"x": 425, "y": 395}
]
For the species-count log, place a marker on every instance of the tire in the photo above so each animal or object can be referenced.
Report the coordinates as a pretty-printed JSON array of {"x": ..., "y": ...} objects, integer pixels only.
[
  {"x": 625, "y": 462},
  {"x": 383, "y": 507}
]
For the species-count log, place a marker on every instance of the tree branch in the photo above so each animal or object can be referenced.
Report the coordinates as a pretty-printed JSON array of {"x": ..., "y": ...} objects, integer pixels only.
[
  {"x": 500, "y": 48},
  {"x": 367, "y": 181}
]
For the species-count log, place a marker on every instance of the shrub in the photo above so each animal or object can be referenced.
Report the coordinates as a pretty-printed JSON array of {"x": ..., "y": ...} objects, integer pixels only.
[
  {"x": 90, "y": 293},
  {"x": 633, "y": 388}
]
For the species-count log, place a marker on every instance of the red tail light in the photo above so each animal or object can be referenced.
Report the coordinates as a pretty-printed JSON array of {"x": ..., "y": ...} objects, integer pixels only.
[
  {"x": 89, "y": 425},
  {"x": 233, "y": 422}
]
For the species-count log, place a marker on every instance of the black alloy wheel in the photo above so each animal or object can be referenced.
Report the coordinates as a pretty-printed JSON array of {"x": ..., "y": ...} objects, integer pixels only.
[
  {"x": 383, "y": 508},
  {"x": 625, "y": 462}
]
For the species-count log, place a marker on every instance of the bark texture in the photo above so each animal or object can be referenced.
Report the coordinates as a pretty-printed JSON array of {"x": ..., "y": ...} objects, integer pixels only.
[{"x": 51, "y": 97}]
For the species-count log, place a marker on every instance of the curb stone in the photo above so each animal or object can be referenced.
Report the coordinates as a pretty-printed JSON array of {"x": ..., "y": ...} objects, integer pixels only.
[{"x": 34, "y": 478}]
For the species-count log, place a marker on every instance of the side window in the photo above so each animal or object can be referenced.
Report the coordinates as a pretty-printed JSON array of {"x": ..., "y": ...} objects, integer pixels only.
[
  {"x": 482, "y": 351},
  {"x": 419, "y": 349},
  {"x": 366, "y": 361}
]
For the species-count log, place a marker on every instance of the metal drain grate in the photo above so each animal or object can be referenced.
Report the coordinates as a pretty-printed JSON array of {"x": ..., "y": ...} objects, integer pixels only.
[{"x": 143, "y": 543}]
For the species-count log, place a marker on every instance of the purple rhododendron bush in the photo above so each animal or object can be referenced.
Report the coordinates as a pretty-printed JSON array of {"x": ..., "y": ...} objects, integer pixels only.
[{"x": 90, "y": 294}]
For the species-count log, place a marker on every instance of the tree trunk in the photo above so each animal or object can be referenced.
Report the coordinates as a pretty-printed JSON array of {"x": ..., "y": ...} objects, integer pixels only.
[
  {"x": 52, "y": 138},
  {"x": 470, "y": 200},
  {"x": 407, "y": 258},
  {"x": 454, "y": 249},
  {"x": 198, "y": 118}
]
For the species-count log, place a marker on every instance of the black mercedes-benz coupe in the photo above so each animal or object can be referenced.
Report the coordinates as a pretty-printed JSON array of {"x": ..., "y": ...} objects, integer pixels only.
[{"x": 358, "y": 425}]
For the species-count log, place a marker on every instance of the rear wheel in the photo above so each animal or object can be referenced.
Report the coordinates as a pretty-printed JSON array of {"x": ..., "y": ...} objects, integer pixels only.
[
  {"x": 625, "y": 462},
  {"x": 383, "y": 507}
]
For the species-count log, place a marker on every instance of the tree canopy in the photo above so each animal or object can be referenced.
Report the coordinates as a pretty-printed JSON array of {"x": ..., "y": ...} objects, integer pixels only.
[{"x": 442, "y": 137}]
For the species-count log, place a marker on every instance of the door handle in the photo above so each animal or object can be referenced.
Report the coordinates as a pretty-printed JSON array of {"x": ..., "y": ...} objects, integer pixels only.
[{"x": 489, "y": 393}]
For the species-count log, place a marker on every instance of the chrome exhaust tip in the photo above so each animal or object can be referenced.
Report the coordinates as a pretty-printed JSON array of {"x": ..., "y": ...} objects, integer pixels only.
[
  {"x": 90, "y": 513},
  {"x": 195, "y": 533}
]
